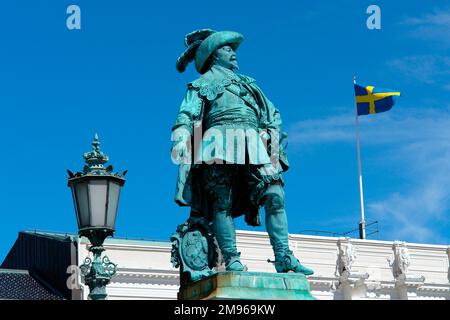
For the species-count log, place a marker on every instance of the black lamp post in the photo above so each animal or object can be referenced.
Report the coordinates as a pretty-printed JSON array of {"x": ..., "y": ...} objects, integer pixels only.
[{"x": 96, "y": 193}]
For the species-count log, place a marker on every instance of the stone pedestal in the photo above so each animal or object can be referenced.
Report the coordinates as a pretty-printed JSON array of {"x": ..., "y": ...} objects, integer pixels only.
[{"x": 248, "y": 285}]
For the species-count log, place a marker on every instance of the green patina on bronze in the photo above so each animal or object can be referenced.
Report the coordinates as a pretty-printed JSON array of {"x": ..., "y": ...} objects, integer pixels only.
[
  {"x": 97, "y": 272},
  {"x": 194, "y": 250},
  {"x": 222, "y": 99},
  {"x": 248, "y": 286}
]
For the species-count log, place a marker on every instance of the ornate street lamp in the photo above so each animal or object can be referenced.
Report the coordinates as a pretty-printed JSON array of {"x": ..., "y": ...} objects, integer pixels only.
[{"x": 96, "y": 196}]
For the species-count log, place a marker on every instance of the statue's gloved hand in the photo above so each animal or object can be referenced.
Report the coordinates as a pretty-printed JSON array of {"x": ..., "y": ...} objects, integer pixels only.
[
  {"x": 180, "y": 148},
  {"x": 180, "y": 152}
]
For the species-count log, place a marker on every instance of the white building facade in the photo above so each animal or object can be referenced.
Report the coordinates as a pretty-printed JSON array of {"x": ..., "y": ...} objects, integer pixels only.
[{"x": 345, "y": 268}]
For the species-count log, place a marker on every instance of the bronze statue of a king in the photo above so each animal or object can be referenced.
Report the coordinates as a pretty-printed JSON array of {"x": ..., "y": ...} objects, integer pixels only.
[{"x": 230, "y": 152}]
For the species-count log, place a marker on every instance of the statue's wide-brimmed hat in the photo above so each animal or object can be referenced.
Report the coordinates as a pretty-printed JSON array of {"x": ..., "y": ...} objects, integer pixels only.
[
  {"x": 201, "y": 44},
  {"x": 213, "y": 42}
]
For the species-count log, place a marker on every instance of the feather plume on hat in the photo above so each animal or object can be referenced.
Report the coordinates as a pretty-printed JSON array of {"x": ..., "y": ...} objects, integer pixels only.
[{"x": 192, "y": 41}]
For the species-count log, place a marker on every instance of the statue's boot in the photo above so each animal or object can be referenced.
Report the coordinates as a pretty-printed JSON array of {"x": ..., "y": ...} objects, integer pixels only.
[
  {"x": 287, "y": 262},
  {"x": 225, "y": 234},
  {"x": 277, "y": 228}
]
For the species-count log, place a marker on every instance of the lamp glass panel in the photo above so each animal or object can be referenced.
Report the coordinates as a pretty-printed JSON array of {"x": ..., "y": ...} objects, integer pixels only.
[
  {"x": 113, "y": 199},
  {"x": 72, "y": 188},
  {"x": 82, "y": 203},
  {"x": 97, "y": 197}
]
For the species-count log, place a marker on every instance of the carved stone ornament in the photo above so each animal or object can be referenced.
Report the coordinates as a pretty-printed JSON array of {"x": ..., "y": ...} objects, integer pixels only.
[
  {"x": 400, "y": 261},
  {"x": 448, "y": 257},
  {"x": 350, "y": 284},
  {"x": 346, "y": 257}
]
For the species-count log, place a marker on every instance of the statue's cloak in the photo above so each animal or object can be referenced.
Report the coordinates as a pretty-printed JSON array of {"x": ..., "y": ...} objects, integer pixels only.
[{"x": 208, "y": 87}]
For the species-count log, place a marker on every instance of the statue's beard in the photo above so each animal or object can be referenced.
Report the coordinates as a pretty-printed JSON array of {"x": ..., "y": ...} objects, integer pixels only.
[{"x": 230, "y": 66}]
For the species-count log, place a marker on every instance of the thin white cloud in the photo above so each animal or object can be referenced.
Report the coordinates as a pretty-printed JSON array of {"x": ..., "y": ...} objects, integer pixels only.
[
  {"x": 332, "y": 129},
  {"x": 425, "y": 68},
  {"x": 433, "y": 68},
  {"x": 431, "y": 26},
  {"x": 437, "y": 18},
  {"x": 417, "y": 145},
  {"x": 433, "y": 124}
]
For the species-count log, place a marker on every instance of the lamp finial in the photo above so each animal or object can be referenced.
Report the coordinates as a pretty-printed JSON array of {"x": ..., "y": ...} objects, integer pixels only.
[{"x": 95, "y": 159}]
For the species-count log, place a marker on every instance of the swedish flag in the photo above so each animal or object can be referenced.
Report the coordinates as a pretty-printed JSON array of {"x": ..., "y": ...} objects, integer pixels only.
[{"x": 370, "y": 100}]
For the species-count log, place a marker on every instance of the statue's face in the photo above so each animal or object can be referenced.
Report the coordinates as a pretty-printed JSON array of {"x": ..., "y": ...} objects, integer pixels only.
[{"x": 226, "y": 57}]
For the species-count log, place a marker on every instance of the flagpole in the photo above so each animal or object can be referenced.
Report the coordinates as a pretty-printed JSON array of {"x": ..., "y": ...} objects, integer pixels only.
[{"x": 362, "y": 224}]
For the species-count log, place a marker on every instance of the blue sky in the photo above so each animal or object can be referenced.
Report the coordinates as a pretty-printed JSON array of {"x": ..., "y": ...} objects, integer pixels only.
[{"x": 116, "y": 76}]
